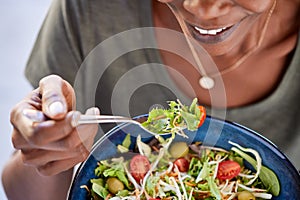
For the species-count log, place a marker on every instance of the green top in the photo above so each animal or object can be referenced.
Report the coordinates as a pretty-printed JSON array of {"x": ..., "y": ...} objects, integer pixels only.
[{"x": 100, "y": 47}]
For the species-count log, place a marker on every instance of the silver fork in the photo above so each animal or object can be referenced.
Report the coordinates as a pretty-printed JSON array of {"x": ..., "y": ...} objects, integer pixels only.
[{"x": 95, "y": 119}]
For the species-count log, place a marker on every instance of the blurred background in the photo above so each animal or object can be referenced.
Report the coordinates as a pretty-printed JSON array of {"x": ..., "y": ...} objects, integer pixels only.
[{"x": 19, "y": 25}]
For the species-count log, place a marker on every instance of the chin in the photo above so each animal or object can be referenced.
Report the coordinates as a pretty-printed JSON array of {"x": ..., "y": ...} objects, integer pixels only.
[{"x": 217, "y": 49}]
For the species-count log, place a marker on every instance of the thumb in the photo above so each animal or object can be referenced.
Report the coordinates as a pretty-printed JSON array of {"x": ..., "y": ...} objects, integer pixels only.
[{"x": 54, "y": 96}]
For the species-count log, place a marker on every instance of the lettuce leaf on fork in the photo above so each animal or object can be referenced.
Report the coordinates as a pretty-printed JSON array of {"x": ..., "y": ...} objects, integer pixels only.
[{"x": 174, "y": 119}]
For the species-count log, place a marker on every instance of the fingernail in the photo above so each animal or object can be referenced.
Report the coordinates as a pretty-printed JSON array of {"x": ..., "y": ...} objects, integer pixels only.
[
  {"x": 75, "y": 118},
  {"x": 56, "y": 108},
  {"x": 96, "y": 111},
  {"x": 93, "y": 111},
  {"x": 34, "y": 115}
]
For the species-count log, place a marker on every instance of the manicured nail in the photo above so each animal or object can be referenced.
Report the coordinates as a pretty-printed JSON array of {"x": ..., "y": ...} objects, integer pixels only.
[{"x": 56, "y": 108}]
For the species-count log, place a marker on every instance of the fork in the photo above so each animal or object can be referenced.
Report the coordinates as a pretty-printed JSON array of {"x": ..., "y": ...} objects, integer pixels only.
[{"x": 95, "y": 119}]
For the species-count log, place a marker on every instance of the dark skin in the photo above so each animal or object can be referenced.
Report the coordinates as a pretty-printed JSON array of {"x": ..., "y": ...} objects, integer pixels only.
[
  {"x": 47, "y": 162},
  {"x": 47, "y": 144},
  {"x": 270, "y": 60}
]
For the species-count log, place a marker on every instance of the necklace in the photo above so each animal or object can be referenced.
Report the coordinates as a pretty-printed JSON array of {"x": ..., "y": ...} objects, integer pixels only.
[{"x": 207, "y": 80}]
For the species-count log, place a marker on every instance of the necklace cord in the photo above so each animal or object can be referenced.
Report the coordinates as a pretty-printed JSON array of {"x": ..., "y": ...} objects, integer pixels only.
[{"x": 187, "y": 37}]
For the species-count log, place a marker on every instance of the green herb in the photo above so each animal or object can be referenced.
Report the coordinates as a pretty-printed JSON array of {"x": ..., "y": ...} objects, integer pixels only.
[
  {"x": 124, "y": 147},
  {"x": 267, "y": 176},
  {"x": 204, "y": 173},
  {"x": 123, "y": 193},
  {"x": 195, "y": 167},
  {"x": 117, "y": 170},
  {"x": 98, "y": 187},
  {"x": 100, "y": 169},
  {"x": 213, "y": 188}
]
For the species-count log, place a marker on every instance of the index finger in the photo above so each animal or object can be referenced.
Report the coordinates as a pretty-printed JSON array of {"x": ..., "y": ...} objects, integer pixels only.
[{"x": 57, "y": 96}]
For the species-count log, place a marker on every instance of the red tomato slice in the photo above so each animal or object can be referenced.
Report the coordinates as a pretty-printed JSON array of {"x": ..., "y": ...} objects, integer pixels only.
[
  {"x": 228, "y": 169},
  {"x": 203, "y": 115},
  {"x": 182, "y": 164},
  {"x": 139, "y": 166}
]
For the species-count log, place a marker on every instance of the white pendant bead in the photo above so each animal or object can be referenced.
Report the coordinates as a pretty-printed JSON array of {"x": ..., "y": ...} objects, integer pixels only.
[{"x": 206, "y": 82}]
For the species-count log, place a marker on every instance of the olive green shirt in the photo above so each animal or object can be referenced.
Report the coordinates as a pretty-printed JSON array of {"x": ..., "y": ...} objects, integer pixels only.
[{"x": 107, "y": 50}]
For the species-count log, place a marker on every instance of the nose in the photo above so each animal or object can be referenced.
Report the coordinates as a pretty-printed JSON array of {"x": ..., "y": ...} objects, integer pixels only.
[{"x": 207, "y": 9}]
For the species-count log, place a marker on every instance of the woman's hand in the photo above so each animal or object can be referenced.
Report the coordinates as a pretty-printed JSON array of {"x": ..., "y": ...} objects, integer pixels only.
[{"x": 43, "y": 131}]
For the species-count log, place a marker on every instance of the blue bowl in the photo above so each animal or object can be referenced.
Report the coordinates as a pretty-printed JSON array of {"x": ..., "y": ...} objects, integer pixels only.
[{"x": 213, "y": 132}]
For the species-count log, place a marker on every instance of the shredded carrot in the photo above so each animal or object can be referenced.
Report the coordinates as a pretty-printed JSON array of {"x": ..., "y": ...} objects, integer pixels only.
[
  {"x": 155, "y": 148},
  {"x": 190, "y": 184},
  {"x": 174, "y": 174},
  {"x": 108, "y": 196}
]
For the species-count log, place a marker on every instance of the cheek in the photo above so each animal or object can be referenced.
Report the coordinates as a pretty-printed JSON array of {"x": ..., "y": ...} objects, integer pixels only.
[
  {"x": 165, "y": 1},
  {"x": 255, "y": 6}
]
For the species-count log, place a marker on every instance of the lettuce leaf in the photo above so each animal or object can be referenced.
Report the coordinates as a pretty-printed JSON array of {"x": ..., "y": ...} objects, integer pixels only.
[{"x": 174, "y": 119}]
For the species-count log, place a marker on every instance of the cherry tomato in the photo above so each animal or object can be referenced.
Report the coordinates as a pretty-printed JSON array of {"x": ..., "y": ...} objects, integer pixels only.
[
  {"x": 203, "y": 115},
  {"x": 182, "y": 164},
  {"x": 228, "y": 169},
  {"x": 139, "y": 166}
]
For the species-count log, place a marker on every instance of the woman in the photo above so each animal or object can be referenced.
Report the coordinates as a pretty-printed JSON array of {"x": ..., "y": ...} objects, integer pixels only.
[{"x": 255, "y": 79}]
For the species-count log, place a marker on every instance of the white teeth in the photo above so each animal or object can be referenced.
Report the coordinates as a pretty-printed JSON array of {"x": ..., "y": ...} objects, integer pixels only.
[{"x": 209, "y": 32}]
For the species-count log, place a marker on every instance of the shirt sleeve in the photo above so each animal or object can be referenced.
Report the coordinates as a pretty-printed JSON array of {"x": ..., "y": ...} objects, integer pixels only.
[{"x": 56, "y": 49}]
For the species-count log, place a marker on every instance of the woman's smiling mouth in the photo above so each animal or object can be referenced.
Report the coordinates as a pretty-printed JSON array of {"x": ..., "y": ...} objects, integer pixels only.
[
  {"x": 209, "y": 32},
  {"x": 211, "y": 36}
]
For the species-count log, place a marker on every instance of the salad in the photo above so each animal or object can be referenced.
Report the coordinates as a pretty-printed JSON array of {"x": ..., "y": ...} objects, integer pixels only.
[
  {"x": 168, "y": 169},
  {"x": 176, "y": 118}
]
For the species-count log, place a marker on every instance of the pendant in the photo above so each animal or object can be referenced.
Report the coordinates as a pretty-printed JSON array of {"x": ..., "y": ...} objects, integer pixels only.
[{"x": 206, "y": 82}]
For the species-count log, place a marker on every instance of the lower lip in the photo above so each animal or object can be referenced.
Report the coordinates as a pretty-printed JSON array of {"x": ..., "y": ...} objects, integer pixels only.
[{"x": 212, "y": 39}]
